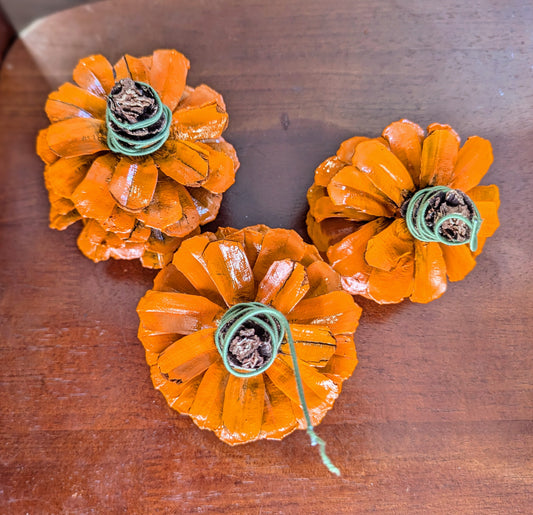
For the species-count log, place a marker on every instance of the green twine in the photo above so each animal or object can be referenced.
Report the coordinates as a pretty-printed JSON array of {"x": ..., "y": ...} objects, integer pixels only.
[
  {"x": 417, "y": 225},
  {"x": 276, "y": 327},
  {"x": 120, "y": 143}
]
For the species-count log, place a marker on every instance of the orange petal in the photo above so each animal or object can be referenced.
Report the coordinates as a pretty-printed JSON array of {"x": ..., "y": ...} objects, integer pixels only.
[
  {"x": 155, "y": 342},
  {"x": 90, "y": 239},
  {"x": 190, "y": 261},
  {"x": 439, "y": 154},
  {"x": 179, "y": 395},
  {"x": 386, "y": 287},
  {"x": 43, "y": 150},
  {"x": 133, "y": 182},
  {"x": 336, "y": 310},
  {"x": 123, "y": 249},
  {"x": 430, "y": 272},
  {"x": 61, "y": 221},
  {"x": 330, "y": 231},
  {"x": 388, "y": 247},
  {"x": 311, "y": 255},
  {"x": 283, "y": 286},
  {"x": 473, "y": 162},
  {"x": 242, "y": 414},
  {"x": 151, "y": 358},
  {"x": 322, "y": 207},
  {"x": 185, "y": 162},
  {"x": 120, "y": 222},
  {"x": 95, "y": 74},
  {"x": 352, "y": 187},
  {"x": 459, "y": 259},
  {"x": 64, "y": 176},
  {"x": 221, "y": 145},
  {"x": 77, "y": 137},
  {"x": 251, "y": 238},
  {"x": 487, "y": 200},
  {"x": 278, "y": 415},
  {"x": 96, "y": 243},
  {"x": 344, "y": 360},
  {"x": 184, "y": 401},
  {"x": 278, "y": 244},
  {"x": 177, "y": 312},
  {"x": 206, "y": 409},
  {"x": 162, "y": 244},
  {"x": 168, "y": 75},
  {"x": 189, "y": 356},
  {"x": 229, "y": 269},
  {"x": 69, "y": 101},
  {"x": 133, "y": 68},
  {"x": 347, "y": 149},
  {"x": 199, "y": 123},
  {"x": 221, "y": 170},
  {"x": 405, "y": 140},
  {"x": 384, "y": 169},
  {"x": 165, "y": 207},
  {"x": 320, "y": 392},
  {"x": 140, "y": 233},
  {"x": 171, "y": 279},
  {"x": 326, "y": 170},
  {"x": 313, "y": 344},
  {"x": 154, "y": 260},
  {"x": 92, "y": 197},
  {"x": 201, "y": 96},
  {"x": 190, "y": 218},
  {"x": 61, "y": 204},
  {"x": 171, "y": 390},
  {"x": 322, "y": 279},
  {"x": 348, "y": 256},
  {"x": 207, "y": 204},
  {"x": 431, "y": 128}
]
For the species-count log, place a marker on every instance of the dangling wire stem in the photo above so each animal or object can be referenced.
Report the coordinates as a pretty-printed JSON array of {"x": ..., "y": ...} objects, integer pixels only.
[{"x": 276, "y": 327}]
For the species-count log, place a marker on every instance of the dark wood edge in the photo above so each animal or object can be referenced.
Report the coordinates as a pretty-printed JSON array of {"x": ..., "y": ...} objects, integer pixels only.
[{"x": 7, "y": 34}]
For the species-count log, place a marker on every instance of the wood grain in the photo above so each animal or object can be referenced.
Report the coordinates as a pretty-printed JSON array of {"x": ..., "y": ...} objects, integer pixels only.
[{"x": 438, "y": 415}]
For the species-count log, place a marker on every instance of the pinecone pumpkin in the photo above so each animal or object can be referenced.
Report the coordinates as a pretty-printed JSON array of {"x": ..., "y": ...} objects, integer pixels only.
[
  {"x": 210, "y": 276},
  {"x": 136, "y": 154},
  {"x": 399, "y": 213}
]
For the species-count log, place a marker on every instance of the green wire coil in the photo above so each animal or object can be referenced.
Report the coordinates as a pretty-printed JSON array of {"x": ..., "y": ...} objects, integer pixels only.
[
  {"x": 416, "y": 221},
  {"x": 276, "y": 327},
  {"x": 134, "y": 147}
]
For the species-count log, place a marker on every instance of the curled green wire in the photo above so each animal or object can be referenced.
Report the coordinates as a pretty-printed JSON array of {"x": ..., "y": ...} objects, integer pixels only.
[
  {"x": 276, "y": 327},
  {"x": 121, "y": 144},
  {"x": 417, "y": 225}
]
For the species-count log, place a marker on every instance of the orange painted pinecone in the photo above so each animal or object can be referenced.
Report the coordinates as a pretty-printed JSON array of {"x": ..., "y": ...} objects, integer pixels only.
[
  {"x": 135, "y": 206},
  {"x": 211, "y": 273},
  {"x": 358, "y": 202}
]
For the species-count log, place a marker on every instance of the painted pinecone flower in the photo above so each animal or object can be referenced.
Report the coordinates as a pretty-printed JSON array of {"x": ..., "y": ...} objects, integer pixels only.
[
  {"x": 213, "y": 273},
  {"x": 399, "y": 213},
  {"x": 136, "y": 154}
]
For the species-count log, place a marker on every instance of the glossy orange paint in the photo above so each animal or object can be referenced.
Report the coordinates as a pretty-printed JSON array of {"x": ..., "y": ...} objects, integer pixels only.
[
  {"x": 355, "y": 210},
  {"x": 213, "y": 272},
  {"x": 165, "y": 196}
]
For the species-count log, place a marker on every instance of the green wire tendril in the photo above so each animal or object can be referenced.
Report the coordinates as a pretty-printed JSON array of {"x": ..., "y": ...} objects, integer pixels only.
[
  {"x": 122, "y": 144},
  {"x": 415, "y": 217},
  {"x": 276, "y": 327}
]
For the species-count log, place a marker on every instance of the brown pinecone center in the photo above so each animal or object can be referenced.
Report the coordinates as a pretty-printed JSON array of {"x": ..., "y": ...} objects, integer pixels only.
[
  {"x": 251, "y": 348},
  {"x": 442, "y": 204},
  {"x": 132, "y": 102}
]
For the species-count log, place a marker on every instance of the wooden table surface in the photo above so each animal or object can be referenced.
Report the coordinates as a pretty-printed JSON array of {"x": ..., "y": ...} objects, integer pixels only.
[{"x": 438, "y": 415}]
